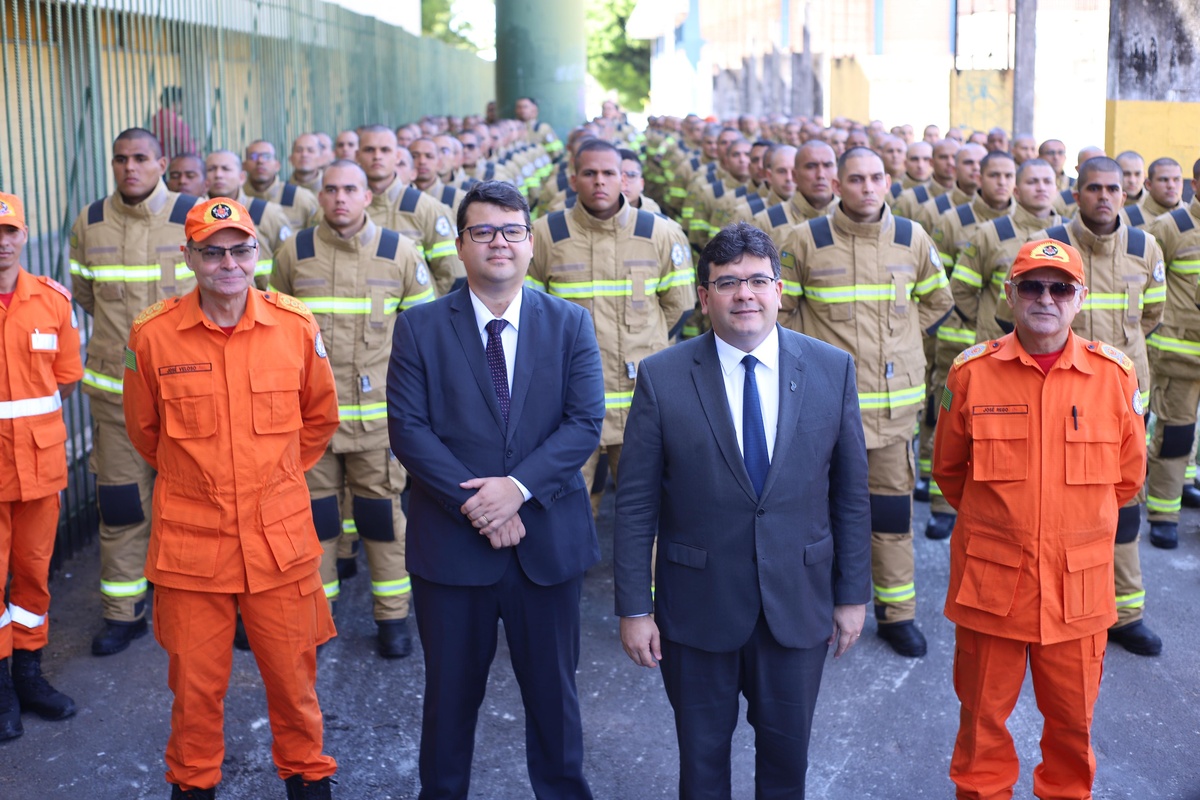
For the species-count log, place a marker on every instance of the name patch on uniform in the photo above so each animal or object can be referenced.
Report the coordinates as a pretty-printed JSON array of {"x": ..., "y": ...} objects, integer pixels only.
[
  {"x": 180, "y": 369},
  {"x": 44, "y": 342},
  {"x": 1013, "y": 409}
]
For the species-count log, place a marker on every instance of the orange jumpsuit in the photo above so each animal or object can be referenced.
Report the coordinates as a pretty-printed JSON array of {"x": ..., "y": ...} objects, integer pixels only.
[
  {"x": 231, "y": 423},
  {"x": 39, "y": 349},
  {"x": 1037, "y": 465}
]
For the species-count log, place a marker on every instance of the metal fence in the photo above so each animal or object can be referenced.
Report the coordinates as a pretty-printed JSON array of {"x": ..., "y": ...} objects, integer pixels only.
[{"x": 76, "y": 73}]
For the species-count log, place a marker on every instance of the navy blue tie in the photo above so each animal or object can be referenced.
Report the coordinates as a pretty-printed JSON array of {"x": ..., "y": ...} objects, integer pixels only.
[
  {"x": 496, "y": 365},
  {"x": 754, "y": 437}
]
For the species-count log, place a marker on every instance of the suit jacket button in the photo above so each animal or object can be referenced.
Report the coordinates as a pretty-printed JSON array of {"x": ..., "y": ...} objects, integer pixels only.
[
  {"x": 762, "y": 512},
  {"x": 509, "y": 453}
]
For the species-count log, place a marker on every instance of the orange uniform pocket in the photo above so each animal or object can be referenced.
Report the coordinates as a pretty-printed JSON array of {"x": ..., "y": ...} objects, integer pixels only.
[
  {"x": 189, "y": 536},
  {"x": 993, "y": 568},
  {"x": 1088, "y": 580},
  {"x": 1093, "y": 451},
  {"x": 1000, "y": 447},
  {"x": 190, "y": 408},
  {"x": 276, "y": 400},
  {"x": 288, "y": 526},
  {"x": 51, "y": 457}
]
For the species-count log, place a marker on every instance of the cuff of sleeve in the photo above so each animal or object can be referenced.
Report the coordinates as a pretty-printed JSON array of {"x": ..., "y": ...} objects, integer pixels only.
[{"x": 525, "y": 492}]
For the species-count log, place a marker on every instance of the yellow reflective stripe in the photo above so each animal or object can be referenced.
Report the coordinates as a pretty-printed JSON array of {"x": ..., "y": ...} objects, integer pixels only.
[
  {"x": 426, "y": 296},
  {"x": 970, "y": 277},
  {"x": 615, "y": 288},
  {"x": 106, "y": 383},
  {"x": 1186, "y": 267},
  {"x": 1145, "y": 399},
  {"x": 675, "y": 191},
  {"x": 934, "y": 489},
  {"x": 1135, "y": 600},
  {"x": 351, "y": 305},
  {"x": 956, "y": 335},
  {"x": 123, "y": 588},
  {"x": 618, "y": 399},
  {"x": 925, "y": 464},
  {"x": 792, "y": 288},
  {"x": 420, "y": 249},
  {"x": 896, "y": 399},
  {"x": 534, "y": 283},
  {"x": 1162, "y": 505},
  {"x": 1155, "y": 294},
  {"x": 365, "y": 412},
  {"x": 895, "y": 594},
  {"x": 442, "y": 249},
  {"x": 855, "y": 293},
  {"x": 79, "y": 269},
  {"x": 391, "y": 588},
  {"x": 1190, "y": 472},
  {"x": 262, "y": 267},
  {"x": 931, "y": 284},
  {"x": 332, "y": 589},
  {"x": 118, "y": 273},
  {"x": 680, "y": 277},
  {"x": 1097, "y": 301},
  {"x": 947, "y": 260},
  {"x": 349, "y": 526},
  {"x": 1160, "y": 342}
]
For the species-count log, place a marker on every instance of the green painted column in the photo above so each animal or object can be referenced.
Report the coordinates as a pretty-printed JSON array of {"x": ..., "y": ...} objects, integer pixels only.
[{"x": 541, "y": 52}]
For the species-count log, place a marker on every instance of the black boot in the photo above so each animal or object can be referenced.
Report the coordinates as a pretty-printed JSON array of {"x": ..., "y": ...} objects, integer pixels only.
[
  {"x": 1137, "y": 638},
  {"x": 192, "y": 794},
  {"x": 941, "y": 525},
  {"x": 116, "y": 636},
  {"x": 10, "y": 707},
  {"x": 904, "y": 637},
  {"x": 298, "y": 789},
  {"x": 921, "y": 490},
  {"x": 1191, "y": 496},
  {"x": 35, "y": 692},
  {"x": 347, "y": 568},
  {"x": 394, "y": 638},
  {"x": 1164, "y": 535}
]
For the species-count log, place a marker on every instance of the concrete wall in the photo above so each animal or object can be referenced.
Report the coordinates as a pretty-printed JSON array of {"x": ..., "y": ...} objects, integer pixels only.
[
  {"x": 981, "y": 98},
  {"x": 849, "y": 90}
]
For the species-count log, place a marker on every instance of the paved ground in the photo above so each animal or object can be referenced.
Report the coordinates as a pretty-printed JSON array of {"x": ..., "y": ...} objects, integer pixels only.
[{"x": 884, "y": 727}]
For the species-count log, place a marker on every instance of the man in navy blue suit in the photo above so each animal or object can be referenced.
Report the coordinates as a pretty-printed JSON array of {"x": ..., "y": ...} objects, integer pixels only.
[{"x": 495, "y": 400}]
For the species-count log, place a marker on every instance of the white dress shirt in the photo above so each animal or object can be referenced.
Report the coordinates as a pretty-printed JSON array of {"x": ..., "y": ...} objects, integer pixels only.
[{"x": 766, "y": 375}]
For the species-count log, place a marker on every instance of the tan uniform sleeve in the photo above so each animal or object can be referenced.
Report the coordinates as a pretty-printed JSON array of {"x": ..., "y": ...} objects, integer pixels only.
[
  {"x": 81, "y": 282},
  {"x": 1155, "y": 300},
  {"x": 932, "y": 289},
  {"x": 968, "y": 279},
  {"x": 791, "y": 262},
  {"x": 677, "y": 277},
  {"x": 283, "y": 269}
]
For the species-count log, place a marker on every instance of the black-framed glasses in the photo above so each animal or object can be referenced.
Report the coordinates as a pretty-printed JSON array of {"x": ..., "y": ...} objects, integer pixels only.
[
  {"x": 1059, "y": 290},
  {"x": 241, "y": 253},
  {"x": 759, "y": 284},
  {"x": 486, "y": 234}
]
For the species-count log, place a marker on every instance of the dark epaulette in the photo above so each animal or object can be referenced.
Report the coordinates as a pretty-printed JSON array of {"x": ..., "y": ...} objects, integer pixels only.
[
  {"x": 1059, "y": 233},
  {"x": 822, "y": 233},
  {"x": 965, "y": 215},
  {"x": 756, "y": 202},
  {"x": 942, "y": 203},
  {"x": 695, "y": 163},
  {"x": 777, "y": 215},
  {"x": 179, "y": 212},
  {"x": 897, "y": 188},
  {"x": 409, "y": 200},
  {"x": 305, "y": 244},
  {"x": 718, "y": 190},
  {"x": 1136, "y": 217},
  {"x": 571, "y": 198},
  {"x": 256, "y": 209},
  {"x": 564, "y": 180},
  {"x": 644, "y": 227},
  {"x": 288, "y": 196},
  {"x": 1067, "y": 197},
  {"x": 95, "y": 212},
  {"x": 556, "y": 221},
  {"x": 903, "y": 231},
  {"x": 921, "y": 193},
  {"x": 1183, "y": 220},
  {"x": 469, "y": 183},
  {"x": 1136, "y": 246},
  {"x": 389, "y": 242},
  {"x": 1004, "y": 228},
  {"x": 739, "y": 191},
  {"x": 448, "y": 193},
  {"x": 490, "y": 172}
]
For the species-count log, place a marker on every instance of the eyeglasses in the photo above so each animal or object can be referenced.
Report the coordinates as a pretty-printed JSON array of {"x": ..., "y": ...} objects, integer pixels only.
[
  {"x": 1032, "y": 290},
  {"x": 632, "y": 175},
  {"x": 759, "y": 284},
  {"x": 486, "y": 234},
  {"x": 241, "y": 253},
  {"x": 260, "y": 156}
]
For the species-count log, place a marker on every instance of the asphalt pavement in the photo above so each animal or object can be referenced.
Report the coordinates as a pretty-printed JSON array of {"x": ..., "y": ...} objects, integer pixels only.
[{"x": 884, "y": 726}]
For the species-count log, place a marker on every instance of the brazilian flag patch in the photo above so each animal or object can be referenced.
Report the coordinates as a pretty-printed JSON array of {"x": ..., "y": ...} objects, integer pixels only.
[
  {"x": 130, "y": 360},
  {"x": 947, "y": 398}
]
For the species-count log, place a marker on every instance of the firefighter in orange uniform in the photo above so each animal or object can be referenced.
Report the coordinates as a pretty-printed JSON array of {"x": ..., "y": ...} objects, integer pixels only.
[
  {"x": 40, "y": 365},
  {"x": 230, "y": 397},
  {"x": 1040, "y": 442}
]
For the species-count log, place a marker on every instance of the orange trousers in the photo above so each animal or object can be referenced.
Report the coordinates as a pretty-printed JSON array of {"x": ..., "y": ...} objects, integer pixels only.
[
  {"x": 284, "y": 626},
  {"x": 27, "y": 532},
  {"x": 988, "y": 673}
]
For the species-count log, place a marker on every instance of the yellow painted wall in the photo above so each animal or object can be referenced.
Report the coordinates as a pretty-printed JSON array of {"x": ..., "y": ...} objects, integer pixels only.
[
  {"x": 981, "y": 99},
  {"x": 1154, "y": 129},
  {"x": 849, "y": 90}
]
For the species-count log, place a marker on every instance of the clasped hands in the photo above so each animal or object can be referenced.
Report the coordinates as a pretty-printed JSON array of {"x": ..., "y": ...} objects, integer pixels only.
[{"x": 493, "y": 510}]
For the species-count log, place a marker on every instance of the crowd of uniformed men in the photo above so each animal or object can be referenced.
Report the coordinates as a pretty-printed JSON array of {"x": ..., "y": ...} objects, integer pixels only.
[{"x": 894, "y": 248}]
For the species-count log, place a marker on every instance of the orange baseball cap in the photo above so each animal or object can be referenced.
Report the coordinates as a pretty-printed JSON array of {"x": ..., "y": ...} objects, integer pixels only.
[
  {"x": 215, "y": 214},
  {"x": 1048, "y": 253},
  {"x": 12, "y": 211}
]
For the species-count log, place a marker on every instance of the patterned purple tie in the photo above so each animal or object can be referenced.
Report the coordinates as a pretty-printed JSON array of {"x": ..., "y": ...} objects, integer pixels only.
[{"x": 495, "y": 359}]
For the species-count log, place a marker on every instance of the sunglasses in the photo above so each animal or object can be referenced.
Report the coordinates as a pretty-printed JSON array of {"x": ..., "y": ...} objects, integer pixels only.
[{"x": 1032, "y": 290}]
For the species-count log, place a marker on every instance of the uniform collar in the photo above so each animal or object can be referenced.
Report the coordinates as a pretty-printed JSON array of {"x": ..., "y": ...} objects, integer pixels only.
[
  {"x": 1008, "y": 348},
  {"x": 1025, "y": 222},
  {"x": 256, "y": 312},
  {"x": 584, "y": 219},
  {"x": 148, "y": 207},
  {"x": 355, "y": 243},
  {"x": 1153, "y": 209},
  {"x": 26, "y": 284},
  {"x": 805, "y": 210},
  {"x": 984, "y": 212},
  {"x": 870, "y": 230},
  {"x": 1093, "y": 243}
]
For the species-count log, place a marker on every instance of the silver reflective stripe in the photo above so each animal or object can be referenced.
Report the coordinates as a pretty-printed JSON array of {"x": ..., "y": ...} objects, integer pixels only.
[
  {"x": 5, "y": 618},
  {"x": 26, "y": 618},
  {"x": 14, "y": 409}
]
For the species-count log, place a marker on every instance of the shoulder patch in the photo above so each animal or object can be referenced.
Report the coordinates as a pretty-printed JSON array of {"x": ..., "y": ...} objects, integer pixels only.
[
  {"x": 966, "y": 215},
  {"x": 443, "y": 227},
  {"x": 409, "y": 200},
  {"x": 1183, "y": 220},
  {"x": 922, "y": 194},
  {"x": 903, "y": 231},
  {"x": 1113, "y": 354},
  {"x": 975, "y": 351},
  {"x": 1004, "y": 228},
  {"x": 183, "y": 204},
  {"x": 55, "y": 285},
  {"x": 677, "y": 254},
  {"x": 756, "y": 203},
  {"x": 292, "y": 304},
  {"x": 1159, "y": 271},
  {"x": 153, "y": 311},
  {"x": 288, "y": 196},
  {"x": 942, "y": 203},
  {"x": 1136, "y": 217},
  {"x": 644, "y": 227},
  {"x": 557, "y": 222},
  {"x": 777, "y": 215},
  {"x": 1136, "y": 246},
  {"x": 389, "y": 243},
  {"x": 822, "y": 233},
  {"x": 306, "y": 244},
  {"x": 95, "y": 212}
]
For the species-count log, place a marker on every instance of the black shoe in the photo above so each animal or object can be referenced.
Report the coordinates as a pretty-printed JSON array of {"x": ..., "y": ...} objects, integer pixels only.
[
  {"x": 192, "y": 794},
  {"x": 921, "y": 490},
  {"x": 116, "y": 636},
  {"x": 34, "y": 692},
  {"x": 904, "y": 637},
  {"x": 298, "y": 789},
  {"x": 1191, "y": 496},
  {"x": 1164, "y": 535},
  {"x": 240, "y": 640},
  {"x": 1137, "y": 638},
  {"x": 347, "y": 568},
  {"x": 941, "y": 525},
  {"x": 10, "y": 706},
  {"x": 394, "y": 638}
]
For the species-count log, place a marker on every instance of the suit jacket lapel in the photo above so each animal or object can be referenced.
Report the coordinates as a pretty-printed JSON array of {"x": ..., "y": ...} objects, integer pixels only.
[
  {"x": 531, "y": 320},
  {"x": 710, "y": 386},
  {"x": 462, "y": 317},
  {"x": 791, "y": 373}
]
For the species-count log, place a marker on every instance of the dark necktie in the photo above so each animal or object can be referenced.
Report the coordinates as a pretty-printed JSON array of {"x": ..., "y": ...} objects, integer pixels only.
[
  {"x": 754, "y": 437},
  {"x": 495, "y": 359}
]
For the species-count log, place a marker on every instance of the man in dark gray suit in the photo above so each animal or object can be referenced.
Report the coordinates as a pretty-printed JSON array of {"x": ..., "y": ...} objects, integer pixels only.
[{"x": 744, "y": 455}]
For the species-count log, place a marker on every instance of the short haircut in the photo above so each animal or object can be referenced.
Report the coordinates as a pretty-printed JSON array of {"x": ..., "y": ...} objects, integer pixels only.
[
  {"x": 1130, "y": 154},
  {"x": 1196, "y": 170},
  {"x": 496, "y": 193},
  {"x": 261, "y": 141},
  {"x": 856, "y": 152},
  {"x": 189, "y": 157},
  {"x": 1158, "y": 164},
  {"x": 1094, "y": 165},
  {"x": 762, "y": 143},
  {"x": 593, "y": 145},
  {"x": 140, "y": 134},
  {"x": 526, "y": 97},
  {"x": 1033, "y": 162},
  {"x": 734, "y": 243},
  {"x": 629, "y": 155},
  {"x": 224, "y": 152},
  {"x": 377, "y": 128},
  {"x": 995, "y": 155},
  {"x": 345, "y": 163}
]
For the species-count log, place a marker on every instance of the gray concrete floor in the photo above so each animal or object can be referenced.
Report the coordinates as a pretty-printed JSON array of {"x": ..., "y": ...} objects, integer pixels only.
[{"x": 884, "y": 726}]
